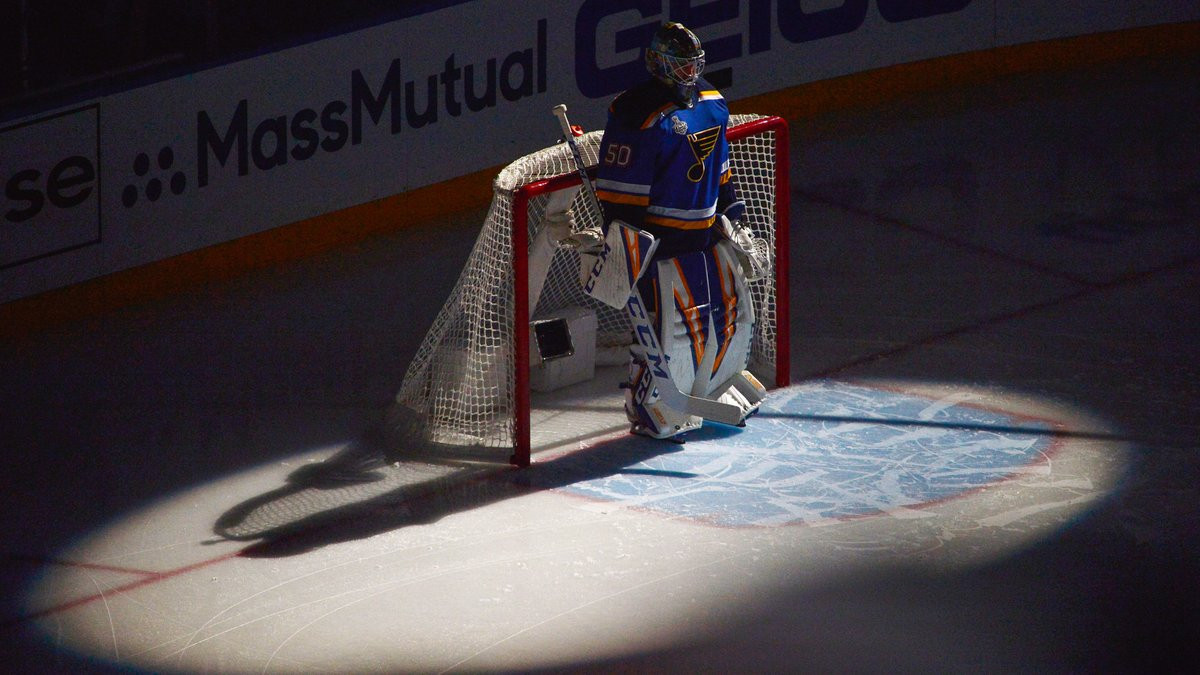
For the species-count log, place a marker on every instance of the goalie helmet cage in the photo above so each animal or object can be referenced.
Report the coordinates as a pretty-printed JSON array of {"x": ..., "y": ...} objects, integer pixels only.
[{"x": 468, "y": 385}]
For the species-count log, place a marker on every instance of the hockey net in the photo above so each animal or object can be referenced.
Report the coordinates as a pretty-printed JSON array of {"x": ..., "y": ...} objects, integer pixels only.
[{"x": 468, "y": 385}]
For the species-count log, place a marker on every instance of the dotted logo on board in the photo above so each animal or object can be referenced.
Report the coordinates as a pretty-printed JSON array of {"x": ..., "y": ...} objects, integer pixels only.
[{"x": 159, "y": 178}]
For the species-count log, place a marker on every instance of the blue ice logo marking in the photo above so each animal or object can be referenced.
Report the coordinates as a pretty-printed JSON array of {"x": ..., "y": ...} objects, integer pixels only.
[{"x": 826, "y": 451}]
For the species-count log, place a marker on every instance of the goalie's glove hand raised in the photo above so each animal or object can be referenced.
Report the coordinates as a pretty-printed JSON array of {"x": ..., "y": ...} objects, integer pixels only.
[{"x": 560, "y": 227}]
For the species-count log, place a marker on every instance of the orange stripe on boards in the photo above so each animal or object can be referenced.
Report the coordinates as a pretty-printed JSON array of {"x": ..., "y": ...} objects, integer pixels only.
[
  {"x": 221, "y": 262},
  {"x": 185, "y": 272}
]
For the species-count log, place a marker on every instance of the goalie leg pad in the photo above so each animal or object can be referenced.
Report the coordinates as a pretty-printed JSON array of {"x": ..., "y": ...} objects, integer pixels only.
[
  {"x": 684, "y": 317},
  {"x": 611, "y": 274},
  {"x": 647, "y": 413},
  {"x": 733, "y": 397},
  {"x": 707, "y": 318},
  {"x": 743, "y": 390},
  {"x": 734, "y": 324}
]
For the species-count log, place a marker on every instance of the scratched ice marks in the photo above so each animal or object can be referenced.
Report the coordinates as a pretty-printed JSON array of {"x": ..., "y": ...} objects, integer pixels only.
[{"x": 824, "y": 451}]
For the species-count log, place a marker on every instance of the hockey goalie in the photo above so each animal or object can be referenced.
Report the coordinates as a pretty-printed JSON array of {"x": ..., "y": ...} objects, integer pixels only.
[{"x": 673, "y": 249}]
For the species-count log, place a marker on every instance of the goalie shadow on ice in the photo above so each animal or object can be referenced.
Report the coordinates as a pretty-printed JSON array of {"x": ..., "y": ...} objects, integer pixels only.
[{"x": 365, "y": 488}]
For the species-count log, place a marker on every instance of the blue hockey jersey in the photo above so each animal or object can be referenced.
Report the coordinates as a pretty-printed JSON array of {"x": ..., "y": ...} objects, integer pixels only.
[{"x": 664, "y": 167}]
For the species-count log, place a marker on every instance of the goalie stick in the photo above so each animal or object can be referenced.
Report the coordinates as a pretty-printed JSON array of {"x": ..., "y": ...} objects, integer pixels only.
[
  {"x": 668, "y": 391},
  {"x": 560, "y": 111}
]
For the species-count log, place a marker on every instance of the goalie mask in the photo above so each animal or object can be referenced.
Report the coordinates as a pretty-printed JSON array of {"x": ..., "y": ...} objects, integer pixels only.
[{"x": 675, "y": 58}]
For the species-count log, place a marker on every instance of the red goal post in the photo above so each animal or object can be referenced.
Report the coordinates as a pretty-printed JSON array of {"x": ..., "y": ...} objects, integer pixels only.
[{"x": 469, "y": 384}]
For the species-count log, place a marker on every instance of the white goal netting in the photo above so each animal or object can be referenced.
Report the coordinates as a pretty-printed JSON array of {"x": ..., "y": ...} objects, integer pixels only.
[{"x": 460, "y": 387}]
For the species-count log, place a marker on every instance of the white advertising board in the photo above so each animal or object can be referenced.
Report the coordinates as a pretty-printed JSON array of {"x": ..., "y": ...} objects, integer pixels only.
[{"x": 141, "y": 175}]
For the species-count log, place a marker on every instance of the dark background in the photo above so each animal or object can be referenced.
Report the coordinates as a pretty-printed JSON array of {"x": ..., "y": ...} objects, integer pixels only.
[{"x": 54, "y": 50}]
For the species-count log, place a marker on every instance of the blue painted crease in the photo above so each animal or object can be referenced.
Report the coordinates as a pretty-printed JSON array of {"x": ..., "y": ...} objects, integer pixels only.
[{"x": 825, "y": 451}]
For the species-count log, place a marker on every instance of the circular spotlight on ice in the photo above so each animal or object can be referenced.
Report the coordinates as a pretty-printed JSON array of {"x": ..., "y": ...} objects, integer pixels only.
[{"x": 602, "y": 548}]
